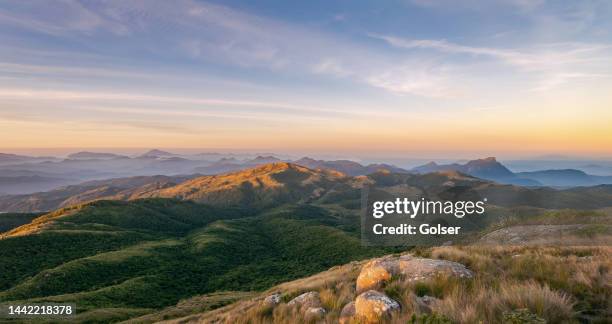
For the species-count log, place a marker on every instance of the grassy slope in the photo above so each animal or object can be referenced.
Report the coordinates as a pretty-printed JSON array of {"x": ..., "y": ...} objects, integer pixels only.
[
  {"x": 9, "y": 221},
  {"x": 555, "y": 284},
  {"x": 133, "y": 257}
]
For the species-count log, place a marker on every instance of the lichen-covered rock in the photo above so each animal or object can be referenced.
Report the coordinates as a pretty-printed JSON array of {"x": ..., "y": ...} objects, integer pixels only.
[
  {"x": 347, "y": 313},
  {"x": 414, "y": 269},
  {"x": 373, "y": 307},
  {"x": 306, "y": 300},
  {"x": 313, "y": 314},
  {"x": 376, "y": 273},
  {"x": 272, "y": 300}
]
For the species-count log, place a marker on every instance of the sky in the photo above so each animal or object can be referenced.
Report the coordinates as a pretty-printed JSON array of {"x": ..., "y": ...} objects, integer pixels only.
[{"x": 423, "y": 78}]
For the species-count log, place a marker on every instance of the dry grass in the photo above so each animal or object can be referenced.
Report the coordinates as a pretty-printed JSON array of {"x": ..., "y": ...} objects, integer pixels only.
[{"x": 558, "y": 285}]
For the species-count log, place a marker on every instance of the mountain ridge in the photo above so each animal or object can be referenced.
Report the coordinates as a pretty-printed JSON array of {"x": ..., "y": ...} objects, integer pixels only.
[{"x": 488, "y": 168}]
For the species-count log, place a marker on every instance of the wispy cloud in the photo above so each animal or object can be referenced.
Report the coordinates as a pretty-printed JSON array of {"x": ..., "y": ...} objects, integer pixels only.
[
  {"x": 215, "y": 34},
  {"x": 522, "y": 5},
  {"x": 427, "y": 80},
  {"x": 541, "y": 57},
  {"x": 548, "y": 82},
  {"x": 60, "y": 95},
  {"x": 563, "y": 61},
  {"x": 202, "y": 33},
  {"x": 57, "y": 18}
]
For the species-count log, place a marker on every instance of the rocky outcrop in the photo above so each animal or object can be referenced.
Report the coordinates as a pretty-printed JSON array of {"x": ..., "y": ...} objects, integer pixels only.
[
  {"x": 272, "y": 300},
  {"x": 379, "y": 271},
  {"x": 305, "y": 301},
  {"x": 373, "y": 307}
]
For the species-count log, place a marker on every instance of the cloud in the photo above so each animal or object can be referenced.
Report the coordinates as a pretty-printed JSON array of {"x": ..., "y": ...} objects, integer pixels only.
[
  {"x": 542, "y": 57},
  {"x": 553, "y": 64},
  {"x": 203, "y": 34},
  {"x": 332, "y": 67},
  {"x": 477, "y": 5},
  {"x": 221, "y": 36},
  {"x": 421, "y": 80},
  {"x": 57, "y": 18},
  {"x": 552, "y": 81},
  {"x": 174, "y": 106}
]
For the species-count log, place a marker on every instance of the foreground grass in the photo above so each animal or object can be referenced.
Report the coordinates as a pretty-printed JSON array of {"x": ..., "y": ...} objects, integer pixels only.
[{"x": 512, "y": 285}]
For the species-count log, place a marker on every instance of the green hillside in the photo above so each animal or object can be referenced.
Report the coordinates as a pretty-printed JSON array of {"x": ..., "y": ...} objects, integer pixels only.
[
  {"x": 145, "y": 254},
  {"x": 8, "y": 221}
]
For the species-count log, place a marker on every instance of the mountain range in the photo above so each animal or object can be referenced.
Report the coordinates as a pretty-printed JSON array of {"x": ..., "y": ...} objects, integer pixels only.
[
  {"x": 153, "y": 241},
  {"x": 282, "y": 182},
  {"x": 26, "y": 175},
  {"x": 95, "y": 156},
  {"x": 491, "y": 169},
  {"x": 14, "y": 158},
  {"x": 348, "y": 167}
]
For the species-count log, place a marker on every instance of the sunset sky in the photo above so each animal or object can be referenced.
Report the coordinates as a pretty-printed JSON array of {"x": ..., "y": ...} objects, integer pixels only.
[{"x": 501, "y": 77}]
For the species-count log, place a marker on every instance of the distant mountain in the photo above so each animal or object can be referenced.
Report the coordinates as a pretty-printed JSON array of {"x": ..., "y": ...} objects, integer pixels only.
[
  {"x": 95, "y": 156},
  {"x": 221, "y": 166},
  {"x": 347, "y": 167},
  {"x": 28, "y": 182},
  {"x": 263, "y": 160},
  {"x": 435, "y": 167},
  {"x": 155, "y": 153},
  {"x": 488, "y": 168},
  {"x": 565, "y": 178},
  {"x": 85, "y": 167},
  {"x": 11, "y": 158},
  {"x": 112, "y": 189},
  {"x": 596, "y": 169},
  {"x": 209, "y": 154},
  {"x": 231, "y": 164},
  {"x": 14, "y": 158}
]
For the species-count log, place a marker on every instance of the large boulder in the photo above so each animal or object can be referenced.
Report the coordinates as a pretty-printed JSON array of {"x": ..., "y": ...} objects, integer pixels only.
[
  {"x": 376, "y": 273},
  {"x": 305, "y": 301},
  {"x": 420, "y": 268},
  {"x": 373, "y": 307}
]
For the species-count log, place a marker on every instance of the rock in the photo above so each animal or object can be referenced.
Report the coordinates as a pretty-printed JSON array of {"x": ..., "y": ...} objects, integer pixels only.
[
  {"x": 421, "y": 268},
  {"x": 373, "y": 307},
  {"x": 376, "y": 273},
  {"x": 347, "y": 313},
  {"x": 425, "y": 303},
  {"x": 314, "y": 314},
  {"x": 272, "y": 300},
  {"x": 306, "y": 300}
]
